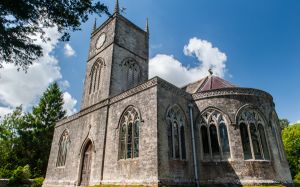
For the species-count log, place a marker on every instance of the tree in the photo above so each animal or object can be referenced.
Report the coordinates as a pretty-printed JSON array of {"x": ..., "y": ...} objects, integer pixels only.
[
  {"x": 8, "y": 140},
  {"x": 284, "y": 123},
  {"x": 43, "y": 119},
  {"x": 20, "y": 20},
  {"x": 25, "y": 138},
  {"x": 291, "y": 141}
]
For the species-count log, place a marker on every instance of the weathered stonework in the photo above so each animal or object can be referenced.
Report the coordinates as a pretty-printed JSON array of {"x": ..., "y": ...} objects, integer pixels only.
[{"x": 98, "y": 124}]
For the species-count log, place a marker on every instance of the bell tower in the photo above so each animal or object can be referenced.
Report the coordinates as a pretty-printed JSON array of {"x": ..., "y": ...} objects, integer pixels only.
[{"x": 117, "y": 60}]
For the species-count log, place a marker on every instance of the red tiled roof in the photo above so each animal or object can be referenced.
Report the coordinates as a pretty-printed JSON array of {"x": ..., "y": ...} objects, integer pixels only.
[{"x": 208, "y": 83}]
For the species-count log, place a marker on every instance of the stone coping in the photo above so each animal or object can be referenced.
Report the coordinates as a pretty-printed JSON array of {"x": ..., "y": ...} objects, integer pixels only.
[{"x": 232, "y": 91}]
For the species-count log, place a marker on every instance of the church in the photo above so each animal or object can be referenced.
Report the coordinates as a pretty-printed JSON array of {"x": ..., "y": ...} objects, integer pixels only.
[{"x": 132, "y": 130}]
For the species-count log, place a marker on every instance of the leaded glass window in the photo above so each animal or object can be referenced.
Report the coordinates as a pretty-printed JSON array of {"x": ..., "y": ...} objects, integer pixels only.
[
  {"x": 95, "y": 76},
  {"x": 224, "y": 140},
  {"x": 176, "y": 133},
  {"x": 131, "y": 72},
  {"x": 213, "y": 135},
  {"x": 129, "y": 134},
  {"x": 253, "y": 135},
  {"x": 63, "y": 149},
  {"x": 245, "y": 141},
  {"x": 205, "y": 142}
]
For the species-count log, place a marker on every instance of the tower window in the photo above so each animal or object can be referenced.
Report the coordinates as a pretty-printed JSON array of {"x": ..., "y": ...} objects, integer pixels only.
[
  {"x": 95, "y": 76},
  {"x": 129, "y": 134},
  {"x": 176, "y": 136},
  {"x": 214, "y": 135},
  {"x": 253, "y": 135},
  {"x": 131, "y": 72}
]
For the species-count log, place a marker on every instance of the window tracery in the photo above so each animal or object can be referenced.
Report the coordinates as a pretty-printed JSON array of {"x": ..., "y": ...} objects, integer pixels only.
[
  {"x": 129, "y": 134},
  {"x": 95, "y": 76},
  {"x": 253, "y": 135},
  {"x": 131, "y": 72},
  {"x": 63, "y": 149},
  {"x": 176, "y": 133},
  {"x": 213, "y": 135}
]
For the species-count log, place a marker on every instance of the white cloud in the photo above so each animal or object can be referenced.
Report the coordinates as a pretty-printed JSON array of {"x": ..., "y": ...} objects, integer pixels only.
[
  {"x": 18, "y": 87},
  {"x": 69, "y": 51},
  {"x": 64, "y": 84},
  {"x": 69, "y": 103},
  {"x": 169, "y": 68},
  {"x": 4, "y": 111}
]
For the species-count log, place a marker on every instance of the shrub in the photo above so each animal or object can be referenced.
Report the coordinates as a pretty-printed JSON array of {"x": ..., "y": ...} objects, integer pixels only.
[
  {"x": 5, "y": 173},
  {"x": 20, "y": 177},
  {"x": 297, "y": 179},
  {"x": 38, "y": 182}
]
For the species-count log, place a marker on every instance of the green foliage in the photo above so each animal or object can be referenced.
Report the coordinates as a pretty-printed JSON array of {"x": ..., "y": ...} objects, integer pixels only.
[
  {"x": 284, "y": 123},
  {"x": 26, "y": 137},
  {"x": 291, "y": 141},
  {"x": 19, "y": 20},
  {"x": 38, "y": 182},
  {"x": 297, "y": 178},
  {"x": 20, "y": 176}
]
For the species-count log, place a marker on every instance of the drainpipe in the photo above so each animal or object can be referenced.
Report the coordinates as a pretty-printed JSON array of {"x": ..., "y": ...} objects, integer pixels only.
[{"x": 194, "y": 147}]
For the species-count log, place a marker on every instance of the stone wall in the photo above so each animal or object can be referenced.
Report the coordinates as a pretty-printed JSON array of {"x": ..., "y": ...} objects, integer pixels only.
[
  {"x": 236, "y": 169},
  {"x": 88, "y": 127},
  {"x": 171, "y": 171},
  {"x": 143, "y": 169}
]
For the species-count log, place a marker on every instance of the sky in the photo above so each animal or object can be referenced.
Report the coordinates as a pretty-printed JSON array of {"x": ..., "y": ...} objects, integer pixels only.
[{"x": 254, "y": 44}]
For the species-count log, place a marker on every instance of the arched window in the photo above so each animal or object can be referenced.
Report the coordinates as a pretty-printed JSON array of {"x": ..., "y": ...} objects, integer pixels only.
[
  {"x": 214, "y": 135},
  {"x": 253, "y": 135},
  {"x": 129, "y": 133},
  {"x": 63, "y": 149},
  {"x": 176, "y": 136},
  {"x": 95, "y": 76},
  {"x": 131, "y": 72}
]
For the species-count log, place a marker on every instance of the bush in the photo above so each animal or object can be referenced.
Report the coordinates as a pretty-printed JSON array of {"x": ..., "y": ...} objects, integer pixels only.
[
  {"x": 20, "y": 177},
  {"x": 38, "y": 182},
  {"x": 5, "y": 173},
  {"x": 297, "y": 179}
]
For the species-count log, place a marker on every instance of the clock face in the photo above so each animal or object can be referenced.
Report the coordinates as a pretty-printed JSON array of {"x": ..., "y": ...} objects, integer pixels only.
[{"x": 100, "y": 41}]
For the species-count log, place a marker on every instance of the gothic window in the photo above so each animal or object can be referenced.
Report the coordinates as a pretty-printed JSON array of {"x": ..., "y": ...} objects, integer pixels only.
[
  {"x": 176, "y": 136},
  {"x": 245, "y": 141},
  {"x": 253, "y": 135},
  {"x": 129, "y": 134},
  {"x": 63, "y": 149},
  {"x": 205, "y": 142},
  {"x": 131, "y": 72},
  {"x": 214, "y": 135},
  {"x": 95, "y": 76},
  {"x": 224, "y": 139}
]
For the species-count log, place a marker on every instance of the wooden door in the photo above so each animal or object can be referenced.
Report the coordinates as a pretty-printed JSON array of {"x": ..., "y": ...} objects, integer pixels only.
[{"x": 86, "y": 165}]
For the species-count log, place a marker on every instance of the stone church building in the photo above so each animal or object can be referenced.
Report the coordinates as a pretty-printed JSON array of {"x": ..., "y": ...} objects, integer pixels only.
[{"x": 134, "y": 131}]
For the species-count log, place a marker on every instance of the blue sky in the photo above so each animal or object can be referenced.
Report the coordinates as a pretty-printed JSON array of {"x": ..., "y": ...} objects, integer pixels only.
[{"x": 260, "y": 39}]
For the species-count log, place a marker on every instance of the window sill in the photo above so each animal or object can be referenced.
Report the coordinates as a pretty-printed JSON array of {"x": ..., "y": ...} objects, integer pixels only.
[
  {"x": 60, "y": 167},
  {"x": 254, "y": 160},
  {"x": 129, "y": 159},
  {"x": 207, "y": 160}
]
